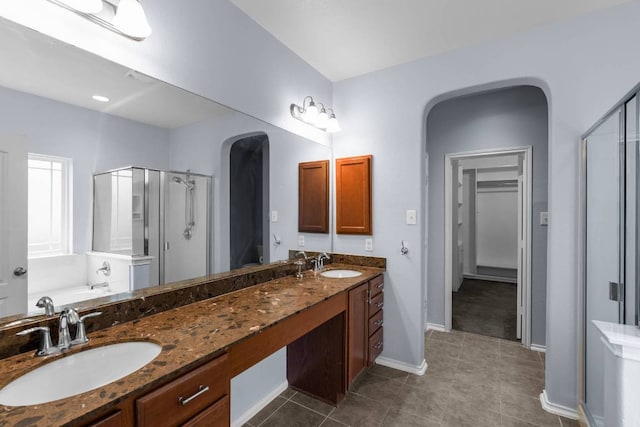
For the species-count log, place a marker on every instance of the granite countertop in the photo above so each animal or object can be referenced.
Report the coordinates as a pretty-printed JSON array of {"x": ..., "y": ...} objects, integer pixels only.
[{"x": 189, "y": 335}]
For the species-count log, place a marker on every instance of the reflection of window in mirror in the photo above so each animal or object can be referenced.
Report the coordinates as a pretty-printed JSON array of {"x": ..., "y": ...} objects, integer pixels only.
[{"x": 48, "y": 210}]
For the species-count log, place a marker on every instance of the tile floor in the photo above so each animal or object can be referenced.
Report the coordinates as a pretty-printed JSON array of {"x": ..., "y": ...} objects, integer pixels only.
[
  {"x": 472, "y": 380},
  {"x": 487, "y": 308}
]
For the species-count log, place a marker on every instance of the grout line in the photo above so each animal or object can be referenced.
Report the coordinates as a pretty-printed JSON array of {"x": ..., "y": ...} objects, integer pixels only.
[
  {"x": 306, "y": 407},
  {"x": 271, "y": 414}
]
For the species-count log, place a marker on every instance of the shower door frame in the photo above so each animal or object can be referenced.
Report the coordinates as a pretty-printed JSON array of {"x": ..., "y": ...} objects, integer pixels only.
[
  {"x": 162, "y": 245},
  {"x": 582, "y": 243}
]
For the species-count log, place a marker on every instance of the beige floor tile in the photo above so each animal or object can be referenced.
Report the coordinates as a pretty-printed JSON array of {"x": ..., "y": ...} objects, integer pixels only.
[
  {"x": 385, "y": 371},
  {"x": 331, "y": 423},
  {"x": 434, "y": 379},
  {"x": 514, "y": 422},
  {"x": 421, "y": 402},
  {"x": 517, "y": 366},
  {"x": 401, "y": 419},
  {"x": 358, "y": 411},
  {"x": 521, "y": 384},
  {"x": 313, "y": 404},
  {"x": 293, "y": 415},
  {"x": 479, "y": 375},
  {"x": 381, "y": 389},
  {"x": 528, "y": 409},
  {"x": 470, "y": 416},
  {"x": 435, "y": 350},
  {"x": 267, "y": 411},
  {"x": 566, "y": 422},
  {"x": 453, "y": 337},
  {"x": 481, "y": 398}
]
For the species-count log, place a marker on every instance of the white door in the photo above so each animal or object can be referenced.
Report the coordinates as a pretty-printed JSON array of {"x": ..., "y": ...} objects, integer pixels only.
[
  {"x": 521, "y": 248},
  {"x": 13, "y": 226}
]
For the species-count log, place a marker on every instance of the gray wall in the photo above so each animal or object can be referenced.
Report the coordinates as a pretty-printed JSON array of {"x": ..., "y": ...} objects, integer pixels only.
[
  {"x": 95, "y": 142},
  {"x": 501, "y": 119},
  {"x": 582, "y": 65}
]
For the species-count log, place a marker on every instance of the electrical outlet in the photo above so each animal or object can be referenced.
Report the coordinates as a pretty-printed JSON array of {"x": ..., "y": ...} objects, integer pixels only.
[
  {"x": 544, "y": 218},
  {"x": 368, "y": 245},
  {"x": 274, "y": 216},
  {"x": 411, "y": 217},
  {"x": 300, "y": 240}
]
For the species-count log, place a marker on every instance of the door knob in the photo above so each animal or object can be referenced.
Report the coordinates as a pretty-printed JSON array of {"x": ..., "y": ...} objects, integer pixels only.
[{"x": 19, "y": 271}]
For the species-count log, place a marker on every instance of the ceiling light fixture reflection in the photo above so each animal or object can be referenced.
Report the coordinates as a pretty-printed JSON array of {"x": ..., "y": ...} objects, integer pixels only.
[
  {"x": 319, "y": 118},
  {"x": 124, "y": 17}
]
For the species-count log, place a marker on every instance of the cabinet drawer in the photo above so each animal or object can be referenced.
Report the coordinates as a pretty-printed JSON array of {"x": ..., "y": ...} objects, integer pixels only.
[
  {"x": 216, "y": 415},
  {"x": 114, "y": 420},
  {"x": 375, "y": 346},
  {"x": 376, "y": 285},
  {"x": 375, "y": 322},
  {"x": 181, "y": 399},
  {"x": 376, "y": 304}
]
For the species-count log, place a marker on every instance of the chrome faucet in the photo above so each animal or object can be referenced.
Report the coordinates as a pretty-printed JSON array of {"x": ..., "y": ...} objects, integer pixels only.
[
  {"x": 318, "y": 262},
  {"x": 300, "y": 263},
  {"x": 68, "y": 315},
  {"x": 105, "y": 269},
  {"x": 46, "y": 303}
]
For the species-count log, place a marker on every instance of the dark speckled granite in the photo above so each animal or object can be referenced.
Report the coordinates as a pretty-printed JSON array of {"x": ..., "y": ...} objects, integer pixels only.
[{"x": 190, "y": 335}]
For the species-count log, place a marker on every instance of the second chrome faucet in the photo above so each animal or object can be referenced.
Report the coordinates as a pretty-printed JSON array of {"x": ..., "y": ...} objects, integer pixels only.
[{"x": 67, "y": 316}]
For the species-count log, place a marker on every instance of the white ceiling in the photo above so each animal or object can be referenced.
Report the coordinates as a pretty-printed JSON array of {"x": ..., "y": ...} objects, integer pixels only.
[
  {"x": 347, "y": 38},
  {"x": 39, "y": 65}
]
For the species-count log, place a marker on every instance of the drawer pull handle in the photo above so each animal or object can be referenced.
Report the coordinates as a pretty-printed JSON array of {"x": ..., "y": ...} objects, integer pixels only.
[
  {"x": 378, "y": 346},
  {"x": 380, "y": 285},
  {"x": 379, "y": 322},
  {"x": 380, "y": 304},
  {"x": 203, "y": 389}
]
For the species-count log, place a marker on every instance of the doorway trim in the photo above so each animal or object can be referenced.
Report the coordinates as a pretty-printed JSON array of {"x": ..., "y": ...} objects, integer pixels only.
[{"x": 526, "y": 151}]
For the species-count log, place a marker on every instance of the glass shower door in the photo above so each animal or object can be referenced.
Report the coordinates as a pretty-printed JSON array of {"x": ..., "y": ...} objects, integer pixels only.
[{"x": 604, "y": 249}]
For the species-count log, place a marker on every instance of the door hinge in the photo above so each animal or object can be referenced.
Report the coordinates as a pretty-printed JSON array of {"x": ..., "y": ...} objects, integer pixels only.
[{"x": 616, "y": 291}]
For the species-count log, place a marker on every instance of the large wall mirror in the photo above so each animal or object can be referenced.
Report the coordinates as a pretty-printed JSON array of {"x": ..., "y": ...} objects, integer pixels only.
[{"x": 125, "y": 182}]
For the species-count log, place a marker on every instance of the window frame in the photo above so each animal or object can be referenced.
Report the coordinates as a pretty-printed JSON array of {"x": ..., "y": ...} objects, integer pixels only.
[{"x": 66, "y": 211}]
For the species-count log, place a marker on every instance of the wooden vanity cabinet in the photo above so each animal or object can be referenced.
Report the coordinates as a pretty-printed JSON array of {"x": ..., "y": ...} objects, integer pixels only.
[
  {"x": 375, "y": 313},
  {"x": 200, "y": 397},
  {"x": 364, "y": 326}
]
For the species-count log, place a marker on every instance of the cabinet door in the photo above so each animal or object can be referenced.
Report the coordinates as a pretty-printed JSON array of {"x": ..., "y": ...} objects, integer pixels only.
[
  {"x": 358, "y": 335},
  {"x": 216, "y": 415},
  {"x": 313, "y": 197},
  {"x": 353, "y": 195}
]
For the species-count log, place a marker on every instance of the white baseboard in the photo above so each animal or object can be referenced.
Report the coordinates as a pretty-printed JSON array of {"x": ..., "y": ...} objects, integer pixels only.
[
  {"x": 538, "y": 348},
  {"x": 402, "y": 366},
  {"x": 435, "y": 327},
  {"x": 242, "y": 419},
  {"x": 554, "y": 409}
]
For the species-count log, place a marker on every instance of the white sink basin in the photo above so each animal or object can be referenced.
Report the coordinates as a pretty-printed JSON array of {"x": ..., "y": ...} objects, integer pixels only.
[
  {"x": 340, "y": 274},
  {"x": 78, "y": 373}
]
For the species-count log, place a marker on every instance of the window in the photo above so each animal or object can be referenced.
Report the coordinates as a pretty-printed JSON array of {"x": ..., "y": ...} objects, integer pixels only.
[{"x": 48, "y": 209}]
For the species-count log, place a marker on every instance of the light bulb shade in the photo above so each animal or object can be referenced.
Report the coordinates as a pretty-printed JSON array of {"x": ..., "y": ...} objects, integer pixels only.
[
  {"x": 332, "y": 124},
  {"x": 131, "y": 20},
  {"x": 310, "y": 114},
  {"x": 322, "y": 119},
  {"x": 85, "y": 6}
]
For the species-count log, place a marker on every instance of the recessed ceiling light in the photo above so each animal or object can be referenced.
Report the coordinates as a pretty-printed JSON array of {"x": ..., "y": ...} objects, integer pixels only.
[{"x": 100, "y": 98}]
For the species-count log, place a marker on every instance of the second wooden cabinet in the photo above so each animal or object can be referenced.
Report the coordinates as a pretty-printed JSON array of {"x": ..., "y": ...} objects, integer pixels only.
[{"x": 364, "y": 326}]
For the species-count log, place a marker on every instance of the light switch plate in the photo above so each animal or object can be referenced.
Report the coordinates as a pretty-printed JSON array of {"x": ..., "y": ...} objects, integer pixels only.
[
  {"x": 300, "y": 240},
  {"x": 368, "y": 245},
  {"x": 544, "y": 218},
  {"x": 274, "y": 216},
  {"x": 411, "y": 217}
]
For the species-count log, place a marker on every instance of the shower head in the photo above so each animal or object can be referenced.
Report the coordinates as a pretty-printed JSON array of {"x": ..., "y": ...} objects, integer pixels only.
[{"x": 189, "y": 183}]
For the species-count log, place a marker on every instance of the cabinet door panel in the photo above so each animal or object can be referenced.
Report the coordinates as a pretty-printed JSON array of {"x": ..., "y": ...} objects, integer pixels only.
[
  {"x": 358, "y": 335},
  {"x": 313, "y": 197},
  {"x": 353, "y": 195},
  {"x": 216, "y": 415}
]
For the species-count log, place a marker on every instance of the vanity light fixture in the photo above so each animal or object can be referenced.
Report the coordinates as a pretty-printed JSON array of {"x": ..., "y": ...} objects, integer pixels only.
[
  {"x": 311, "y": 115},
  {"x": 124, "y": 17},
  {"x": 100, "y": 98}
]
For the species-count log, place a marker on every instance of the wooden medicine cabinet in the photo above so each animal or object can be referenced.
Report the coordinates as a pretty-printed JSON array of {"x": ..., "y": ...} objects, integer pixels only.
[
  {"x": 313, "y": 196},
  {"x": 353, "y": 195}
]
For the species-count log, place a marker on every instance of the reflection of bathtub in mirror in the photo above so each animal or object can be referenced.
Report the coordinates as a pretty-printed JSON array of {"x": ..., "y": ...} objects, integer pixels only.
[{"x": 69, "y": 295}]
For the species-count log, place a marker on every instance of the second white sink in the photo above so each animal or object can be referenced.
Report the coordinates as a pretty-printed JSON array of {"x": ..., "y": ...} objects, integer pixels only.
[
  {"x": 78, "y": 373},
  {"x": 340, "y": 274}
]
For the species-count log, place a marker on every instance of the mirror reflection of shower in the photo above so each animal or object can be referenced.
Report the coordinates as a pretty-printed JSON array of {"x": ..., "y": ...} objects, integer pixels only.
[
  {"x": 189, "y": 208},
  {"x": 249, "y": 201}
]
